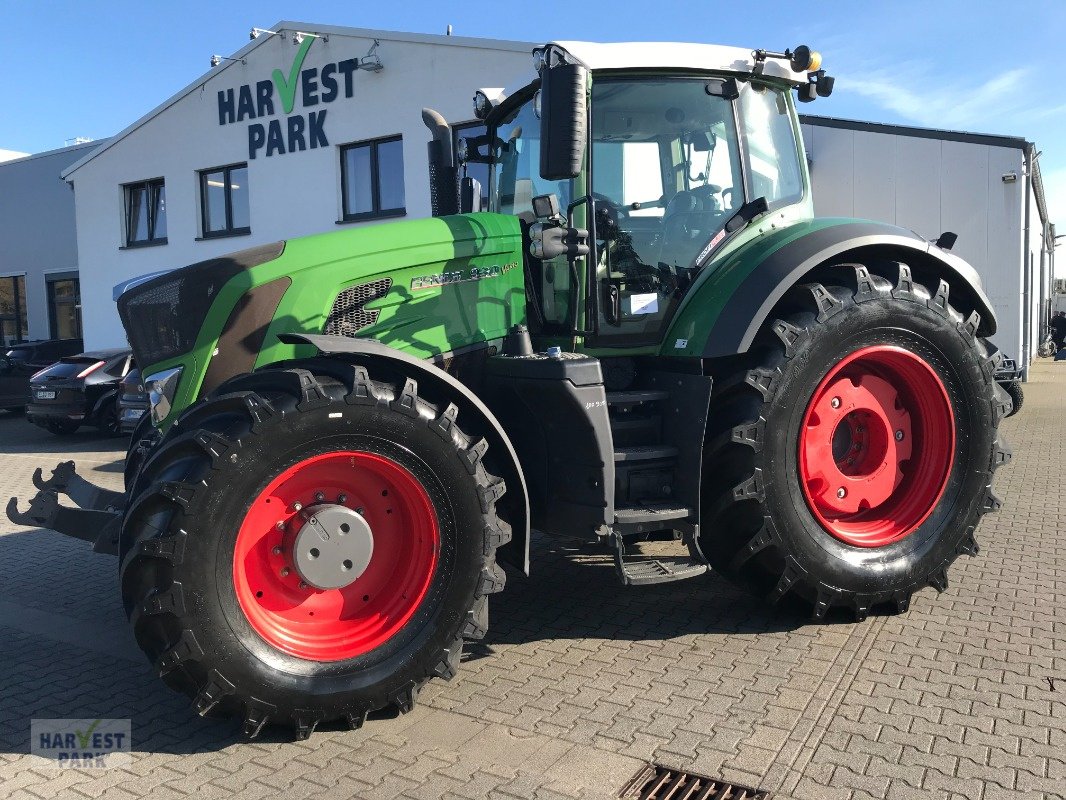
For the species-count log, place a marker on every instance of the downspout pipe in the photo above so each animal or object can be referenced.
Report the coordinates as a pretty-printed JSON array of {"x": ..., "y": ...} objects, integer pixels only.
[{"x": 1027, "y": 279}]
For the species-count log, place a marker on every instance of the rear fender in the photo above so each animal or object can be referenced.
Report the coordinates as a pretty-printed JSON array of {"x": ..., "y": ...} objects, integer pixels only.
[
  {"x": 725, "y": 311},
  {"x": 516, "y": 500}
]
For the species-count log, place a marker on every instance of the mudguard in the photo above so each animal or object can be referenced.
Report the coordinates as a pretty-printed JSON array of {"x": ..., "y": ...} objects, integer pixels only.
[
  {"x": 726, "y": 308},
  {"x": 516, "y": 500}
]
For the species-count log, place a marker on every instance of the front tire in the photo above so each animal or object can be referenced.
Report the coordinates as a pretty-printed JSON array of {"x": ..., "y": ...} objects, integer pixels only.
[
  {"x": 853, "y": 447},
  {"x": 217, "y": 593}
]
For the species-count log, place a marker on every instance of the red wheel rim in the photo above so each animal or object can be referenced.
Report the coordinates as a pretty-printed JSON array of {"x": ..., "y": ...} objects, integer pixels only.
[
  {"x": 336, "y": 624},
  {"x": 876, "y": 446}
]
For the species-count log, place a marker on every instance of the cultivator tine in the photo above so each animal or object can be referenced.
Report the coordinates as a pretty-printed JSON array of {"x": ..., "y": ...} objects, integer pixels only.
[{"x": 65, "y": 480}]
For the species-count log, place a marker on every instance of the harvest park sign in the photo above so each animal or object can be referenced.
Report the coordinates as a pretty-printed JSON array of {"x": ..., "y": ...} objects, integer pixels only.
[{"x": 301, "y": 131}]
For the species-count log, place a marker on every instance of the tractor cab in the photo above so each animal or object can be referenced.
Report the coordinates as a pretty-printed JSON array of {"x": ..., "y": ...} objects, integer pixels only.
[{"x": 632, "y": 167}]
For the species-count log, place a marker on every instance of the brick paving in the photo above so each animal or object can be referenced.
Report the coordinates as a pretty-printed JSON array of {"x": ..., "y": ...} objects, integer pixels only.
[{"x": 581, "y": 681}]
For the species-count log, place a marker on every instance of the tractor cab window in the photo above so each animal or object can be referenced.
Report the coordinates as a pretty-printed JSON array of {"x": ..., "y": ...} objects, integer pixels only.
[
  {"x": 516, "y": 181},
  {"x": 772, "y": 144},
  {"x": 666, "y": 177}
]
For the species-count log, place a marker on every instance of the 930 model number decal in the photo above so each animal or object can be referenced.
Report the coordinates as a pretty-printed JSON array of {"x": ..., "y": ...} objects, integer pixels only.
[{"x": 460, "y": 276}]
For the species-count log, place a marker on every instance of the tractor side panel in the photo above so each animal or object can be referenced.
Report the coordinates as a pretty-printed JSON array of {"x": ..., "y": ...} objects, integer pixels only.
[{"x": 730, "y": 301}]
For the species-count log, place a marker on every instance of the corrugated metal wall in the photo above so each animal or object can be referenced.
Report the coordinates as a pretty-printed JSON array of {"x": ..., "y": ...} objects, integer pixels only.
[{"x": 930, "y": 186}]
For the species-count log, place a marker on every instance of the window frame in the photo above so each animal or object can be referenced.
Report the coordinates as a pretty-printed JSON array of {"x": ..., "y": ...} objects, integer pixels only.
[
  {"x": 52, "y": 278},
  {"x": 20, "y": 309},
  {"x": 377, "y": 212},
  {"x": 227, "y": 180},
  {"x": 150, "y": 185}
]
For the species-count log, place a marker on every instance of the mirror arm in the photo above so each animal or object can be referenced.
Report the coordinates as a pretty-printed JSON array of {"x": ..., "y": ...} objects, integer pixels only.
[{"x": 591, "y": 257}]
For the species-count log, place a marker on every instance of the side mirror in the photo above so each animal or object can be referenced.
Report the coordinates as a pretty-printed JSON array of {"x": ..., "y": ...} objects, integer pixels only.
[
  {"x": 469, "y": 195},
  {"x": 563, "y": 121}
]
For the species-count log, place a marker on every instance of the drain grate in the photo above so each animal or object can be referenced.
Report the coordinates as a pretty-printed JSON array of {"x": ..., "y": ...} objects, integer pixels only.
[{"x": 656, "y": 782}]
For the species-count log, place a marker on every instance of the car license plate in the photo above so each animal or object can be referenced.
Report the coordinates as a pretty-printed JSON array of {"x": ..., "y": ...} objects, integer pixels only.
[{"x": 46, "y": 395}]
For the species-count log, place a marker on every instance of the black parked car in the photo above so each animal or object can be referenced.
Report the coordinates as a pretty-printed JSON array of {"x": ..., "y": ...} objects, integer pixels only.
[
  {"x": 79, "y": 390},
  {"x": 132, "y": 401},
  {"x": 21, "y": 361}
]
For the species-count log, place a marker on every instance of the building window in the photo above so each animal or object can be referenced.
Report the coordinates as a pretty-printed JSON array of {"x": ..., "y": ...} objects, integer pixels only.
[
  {"x": 372, "y": 179},
  {"x": 146, "y": 213},
  {"x": 224, "y": 201},
  {"x": 13, "y": 309},
  {"x": 64, "y": 305},
  {"x": 477, "y": 170}
]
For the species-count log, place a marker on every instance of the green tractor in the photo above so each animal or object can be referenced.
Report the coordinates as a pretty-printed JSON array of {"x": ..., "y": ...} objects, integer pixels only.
[{"x": 646, "y": 336}]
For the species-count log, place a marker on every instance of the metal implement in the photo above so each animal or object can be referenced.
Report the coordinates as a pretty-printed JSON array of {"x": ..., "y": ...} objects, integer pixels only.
[{"x": 97, "y": 518}]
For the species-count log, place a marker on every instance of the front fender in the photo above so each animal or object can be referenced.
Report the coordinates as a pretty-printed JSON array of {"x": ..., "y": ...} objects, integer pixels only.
[
  {"x": 516, "y": 499},
  {"x": 728, "y": 305}
]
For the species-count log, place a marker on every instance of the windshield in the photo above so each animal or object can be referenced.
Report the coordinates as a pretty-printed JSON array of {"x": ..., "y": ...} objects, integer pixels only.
[{"x": 666, "y": 177}]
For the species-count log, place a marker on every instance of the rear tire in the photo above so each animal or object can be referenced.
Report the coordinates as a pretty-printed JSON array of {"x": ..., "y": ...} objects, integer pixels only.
[
  {"x": 219, "y": 611},
  {"x": 775, "y": 523}
]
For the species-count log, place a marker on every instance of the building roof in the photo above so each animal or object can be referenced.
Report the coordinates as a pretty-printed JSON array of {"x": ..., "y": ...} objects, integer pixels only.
[
  {"x": 675, "y": 55},
  {"x": 302, "y": 27},
  {"x": 24, "y": 157},
  {"x": 995, "y": 140}
]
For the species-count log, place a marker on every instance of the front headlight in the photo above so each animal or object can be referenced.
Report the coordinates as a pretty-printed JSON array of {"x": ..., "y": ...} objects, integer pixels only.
[{"x": 162, "y": 386}]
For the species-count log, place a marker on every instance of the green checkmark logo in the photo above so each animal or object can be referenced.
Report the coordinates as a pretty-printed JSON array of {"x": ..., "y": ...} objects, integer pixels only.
[
  {"x": 83, "y": 738},
  {"x": 287, "y": 88}
]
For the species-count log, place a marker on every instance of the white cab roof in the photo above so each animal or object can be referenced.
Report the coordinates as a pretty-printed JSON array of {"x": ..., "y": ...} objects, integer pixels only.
[{"x": 675, "y": 55}]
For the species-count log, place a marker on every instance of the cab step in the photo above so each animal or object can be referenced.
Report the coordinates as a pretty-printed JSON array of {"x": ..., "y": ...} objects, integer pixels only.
[
  {"x": 635, "y": 397},
  {"x": 650, "y": 513},
  {"x": 645, "y": 570},
  {"x": 644, "y": 452}
]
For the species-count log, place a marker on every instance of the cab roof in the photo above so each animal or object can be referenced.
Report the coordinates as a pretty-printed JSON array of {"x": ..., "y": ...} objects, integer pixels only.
[{"x": 675, "y": 55}]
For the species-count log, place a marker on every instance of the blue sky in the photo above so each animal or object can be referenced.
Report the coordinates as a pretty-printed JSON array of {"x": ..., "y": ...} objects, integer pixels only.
[{"x": 89, "y": 69}]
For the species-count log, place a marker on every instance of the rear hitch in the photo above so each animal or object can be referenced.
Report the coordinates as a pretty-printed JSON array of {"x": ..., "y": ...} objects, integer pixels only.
[{"x": 97, "y": 518}]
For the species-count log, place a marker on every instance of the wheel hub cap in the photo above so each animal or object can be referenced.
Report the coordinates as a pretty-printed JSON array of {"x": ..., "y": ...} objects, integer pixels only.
[{"x": 333, "y": 547}]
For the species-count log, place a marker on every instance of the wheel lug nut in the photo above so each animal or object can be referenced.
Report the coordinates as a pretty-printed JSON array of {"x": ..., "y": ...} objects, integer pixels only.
[
  {"x": 359, "y": 511},
  {"x": 277, "y": 550},
  {"x": 284, "y": 572},
  {"x": 297, "y": 506},
  {"x": 304, "y": 586},
  {"x": 899, "y": 436},
  {"x": 319, "y": 497},
  {"x": 835, "y": 402},
  {"x": 342, "y": 498},
  {"x": 842, "y": 492},
  {"x": 280, "y": 525}
]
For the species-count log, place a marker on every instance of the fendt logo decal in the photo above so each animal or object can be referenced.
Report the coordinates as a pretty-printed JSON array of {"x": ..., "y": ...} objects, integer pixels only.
[
  {"x": 460, "y": 276},
  {"x": 296, "y": 132}
]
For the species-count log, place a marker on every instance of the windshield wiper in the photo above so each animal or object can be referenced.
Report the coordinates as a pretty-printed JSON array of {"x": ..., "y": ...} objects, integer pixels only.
[{"x": 745, "y": 214}]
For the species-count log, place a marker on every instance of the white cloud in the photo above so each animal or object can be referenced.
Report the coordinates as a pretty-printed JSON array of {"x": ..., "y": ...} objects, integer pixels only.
[
  {"x": 921, "y": 95},
  {"x": 1055, "y": 194}
]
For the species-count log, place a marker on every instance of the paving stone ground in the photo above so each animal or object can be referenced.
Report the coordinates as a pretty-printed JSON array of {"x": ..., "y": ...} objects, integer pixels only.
[{"x": 581, "y": 681}]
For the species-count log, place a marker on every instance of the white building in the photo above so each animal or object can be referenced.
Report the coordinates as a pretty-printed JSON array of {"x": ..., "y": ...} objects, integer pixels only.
[
  {"x": 986, "y": 189},
  {"x": 231, "y": 161}
]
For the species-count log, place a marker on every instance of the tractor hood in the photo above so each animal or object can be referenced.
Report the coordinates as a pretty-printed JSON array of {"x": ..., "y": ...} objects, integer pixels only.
[{"x": 427, "y": 287}]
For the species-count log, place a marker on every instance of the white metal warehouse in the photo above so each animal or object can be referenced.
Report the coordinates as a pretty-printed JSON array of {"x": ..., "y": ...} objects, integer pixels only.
[{"x": 986, "y": 189}]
